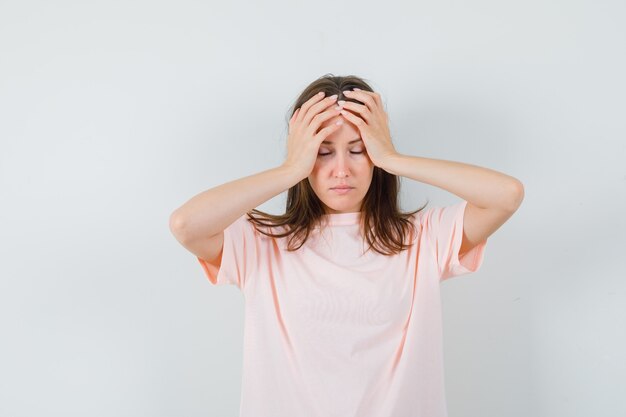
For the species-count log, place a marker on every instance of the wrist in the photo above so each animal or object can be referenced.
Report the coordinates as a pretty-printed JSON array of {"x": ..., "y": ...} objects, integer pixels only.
[
  {"x": 390, "y": 162},
  {"x": 294, "y": 175}
]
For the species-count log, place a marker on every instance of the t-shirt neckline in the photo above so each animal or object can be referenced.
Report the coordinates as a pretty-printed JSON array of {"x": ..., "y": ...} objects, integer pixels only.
[{"x": 342, "y": 219}]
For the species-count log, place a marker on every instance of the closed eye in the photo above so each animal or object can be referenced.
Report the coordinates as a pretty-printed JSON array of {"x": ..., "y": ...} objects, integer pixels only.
[{"x": 328, "y": 153}]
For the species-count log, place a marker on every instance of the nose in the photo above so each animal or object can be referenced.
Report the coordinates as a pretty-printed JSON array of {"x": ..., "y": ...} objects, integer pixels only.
[{"x": 341, "y": 168}]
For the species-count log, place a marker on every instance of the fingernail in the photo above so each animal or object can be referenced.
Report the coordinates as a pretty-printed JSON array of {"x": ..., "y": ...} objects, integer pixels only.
[
  {"x": 333, "y": 96},
  {"x": 341, "y": 102}
]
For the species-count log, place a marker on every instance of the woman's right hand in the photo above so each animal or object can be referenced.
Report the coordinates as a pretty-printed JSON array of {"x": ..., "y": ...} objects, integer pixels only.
[{"x": 304, "y": 139}]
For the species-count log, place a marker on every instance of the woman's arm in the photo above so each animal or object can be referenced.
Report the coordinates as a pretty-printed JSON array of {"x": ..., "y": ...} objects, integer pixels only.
[
  {"x": 210, "y": 212},
  {"x": 482, "y": 187},
  {"x": 492, "y": 197}
]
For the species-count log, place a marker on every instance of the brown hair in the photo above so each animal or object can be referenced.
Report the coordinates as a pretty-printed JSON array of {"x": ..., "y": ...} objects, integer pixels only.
[{"x": 382, "y": 223}]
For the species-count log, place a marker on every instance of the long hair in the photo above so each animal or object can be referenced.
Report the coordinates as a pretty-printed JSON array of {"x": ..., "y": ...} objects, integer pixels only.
[{"x": 383, "y": 225}]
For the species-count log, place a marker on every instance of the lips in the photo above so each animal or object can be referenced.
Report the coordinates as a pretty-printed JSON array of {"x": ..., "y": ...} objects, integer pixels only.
[{"x": 342, "y": 187}]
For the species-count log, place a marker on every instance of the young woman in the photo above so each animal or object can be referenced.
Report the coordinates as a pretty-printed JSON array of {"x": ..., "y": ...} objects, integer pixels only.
[{"x": 342, "y": 303}]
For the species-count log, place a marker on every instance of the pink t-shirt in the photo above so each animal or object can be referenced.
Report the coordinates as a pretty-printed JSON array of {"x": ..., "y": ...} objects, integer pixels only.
[{"x": 332, "y": 332}]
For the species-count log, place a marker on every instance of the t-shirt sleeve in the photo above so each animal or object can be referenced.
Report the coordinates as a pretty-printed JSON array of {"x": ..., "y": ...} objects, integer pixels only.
[
  {"x": 238, "y": 255},
  {"x": 445, "y": 228}
]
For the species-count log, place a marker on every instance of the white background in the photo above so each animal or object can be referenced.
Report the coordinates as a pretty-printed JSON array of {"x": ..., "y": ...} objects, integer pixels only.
[{"x": 114, "y": 113}]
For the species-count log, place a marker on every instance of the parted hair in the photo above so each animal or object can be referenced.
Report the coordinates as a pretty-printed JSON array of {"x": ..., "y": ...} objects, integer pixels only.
[{"x": 383, "y": 225}]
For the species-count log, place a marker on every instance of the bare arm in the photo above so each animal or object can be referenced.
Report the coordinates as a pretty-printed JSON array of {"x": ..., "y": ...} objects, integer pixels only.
[{"x": 210, "y": 212}]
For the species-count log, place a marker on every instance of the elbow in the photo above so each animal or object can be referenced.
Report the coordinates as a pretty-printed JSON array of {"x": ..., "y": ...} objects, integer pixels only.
[
  {"x": 517, "y": 194},
  {"x": 176, "y": 225}
]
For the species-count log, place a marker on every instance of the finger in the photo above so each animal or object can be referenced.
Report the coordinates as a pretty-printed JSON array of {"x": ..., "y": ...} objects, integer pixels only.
[
  {"x": 360, "y": 109},
  {"x": 310, "y": 102},
  {"x": 362, "y": 96},
  {"x": 316, "y": 108},
  {"x": 320, "y": 118},
  {"x": 294, "y": 115},
  {"x": 325, "y": 132},
  {"x": 375, "y": 95},
  {"x": 351, "y": 117},
  {"x": 377, "y": 98}
]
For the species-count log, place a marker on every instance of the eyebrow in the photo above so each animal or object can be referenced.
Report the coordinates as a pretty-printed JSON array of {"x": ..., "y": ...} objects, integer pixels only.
[{"x": 349, "y": 143}]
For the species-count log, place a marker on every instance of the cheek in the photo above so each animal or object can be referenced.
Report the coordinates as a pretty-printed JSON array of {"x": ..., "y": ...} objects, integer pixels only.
[
  {"x": 315, "y": 178},
  {"x": 315, "y": 172},
  {"x": 365, "y": 166}
]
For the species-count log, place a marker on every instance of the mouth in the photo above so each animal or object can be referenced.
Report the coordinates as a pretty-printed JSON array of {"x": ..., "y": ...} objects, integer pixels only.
[{"x": 342, "y": 190}]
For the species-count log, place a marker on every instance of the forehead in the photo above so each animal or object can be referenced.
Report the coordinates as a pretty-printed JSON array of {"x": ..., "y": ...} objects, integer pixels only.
[{"x": 346, "y": 134}]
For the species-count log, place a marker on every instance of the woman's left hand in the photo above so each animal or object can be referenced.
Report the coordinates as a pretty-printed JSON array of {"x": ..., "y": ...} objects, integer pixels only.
[{"x": 373, "y": 124}]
